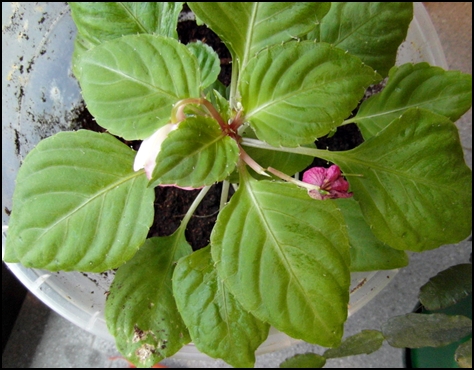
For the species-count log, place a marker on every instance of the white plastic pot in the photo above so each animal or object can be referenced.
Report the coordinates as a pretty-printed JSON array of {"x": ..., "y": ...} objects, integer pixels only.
[{"x": 40, "y": 97}]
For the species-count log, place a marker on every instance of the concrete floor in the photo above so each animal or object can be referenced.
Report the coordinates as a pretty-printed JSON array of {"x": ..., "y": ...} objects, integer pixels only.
[{"x": 42, "y": 338}]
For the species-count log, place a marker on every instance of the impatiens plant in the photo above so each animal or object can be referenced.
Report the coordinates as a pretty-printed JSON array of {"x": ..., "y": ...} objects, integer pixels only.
[{"x": 282, "y": 249}]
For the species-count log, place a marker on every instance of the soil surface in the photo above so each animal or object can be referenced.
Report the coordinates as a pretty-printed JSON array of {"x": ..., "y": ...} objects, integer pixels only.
[{"x": 171, "y": 203}]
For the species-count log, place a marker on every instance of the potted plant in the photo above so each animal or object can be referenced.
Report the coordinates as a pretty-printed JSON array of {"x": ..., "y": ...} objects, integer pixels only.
[{"x": 282, "y": 249}]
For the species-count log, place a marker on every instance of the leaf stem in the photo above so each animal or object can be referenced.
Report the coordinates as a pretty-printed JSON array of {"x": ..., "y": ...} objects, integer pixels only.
[
  {"x": 194, "y": 205},
  {"x": 311, "y": 152},
  {"x": 285, "y": 177},
  {"x": 250, "y": 161},
  {"x": 177, "y": 114},
  {"x": 233, "y": 98},
  {"x": 224, "y": 194}
]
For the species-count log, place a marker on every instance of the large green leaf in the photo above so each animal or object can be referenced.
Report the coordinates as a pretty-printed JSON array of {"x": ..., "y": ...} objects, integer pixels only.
[
  {"x": 372, "y": 31},
  {"x": 285, "y": 257},
  {"x": 198, "y": 153},
  {"x": 365, "y": 342},
  {"x": 415, "y": 330},
  {"x": 448, "y": 93},
  {"x": 102, "y": 21},
  {"x": 447, "y": 288},
  {"x": 299, "y": 91},
  {"x": 248, "y": 27},
  {"x": 218, "y": 324},
  {"x": 140, "y": 310},
  {"x": 130, "y": 84},
  {"x": 78, "y": 204},
  {"x": 415, "y": 189},
  {"x": 367, "y": 252}
]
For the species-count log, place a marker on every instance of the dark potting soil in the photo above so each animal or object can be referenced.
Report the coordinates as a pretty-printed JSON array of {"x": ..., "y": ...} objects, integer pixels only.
[{"x": 171, "y": 203}]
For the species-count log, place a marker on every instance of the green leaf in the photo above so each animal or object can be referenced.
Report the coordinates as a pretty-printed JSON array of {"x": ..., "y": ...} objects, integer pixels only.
[
  {"x": 102, "y": 21},
  {"x": 415, "y": 330},
  {"x": 372, "y": 31},
  {"x": 367, "y": 252},
  {"x": 198, "y": 153},
  {"x": 463, "y": 354},
  {"x": 208, "y": 61},
  {"x": 365, "y": 342},
  {"x": 70, "y": 189},
  {"x": 130, "y": 84},
  {"x": 99, "y": 22},
  {"x": 415, "y": 188},
  {"x": 218, "y": 324},
  {"x": 299, "y": 91},
  {"x": 304, "y": 360},
  {"x": 140, "y": 310},
  {"x": 448, "y": 93},
  {"x": 248, "y": 27},
  {"x": 285, "y": 258},
  {"x": 447, "y": 288}
]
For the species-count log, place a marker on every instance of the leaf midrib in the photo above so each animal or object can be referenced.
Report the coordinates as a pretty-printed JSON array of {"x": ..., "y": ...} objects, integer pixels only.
[
  {"x": 356, "y": 29},
  {"x": 254, "y": 200},
  {"x": 249, "y": 34},
  {"x": 133, "y": 17},
  {"x": 374, "y": 166},
  {"x": 399, "y": 109},
  {"x": 294, "y": 93},
  {"x": 131, "y": 79},
  {"x": 76, "y": 209}
]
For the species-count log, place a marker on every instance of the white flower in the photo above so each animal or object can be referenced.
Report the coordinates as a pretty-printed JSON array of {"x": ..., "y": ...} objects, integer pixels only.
[{"x": 149, "y": 149}]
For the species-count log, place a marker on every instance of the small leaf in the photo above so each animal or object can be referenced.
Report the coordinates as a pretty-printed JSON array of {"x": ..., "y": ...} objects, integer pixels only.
[
  {"x": 447, "y": 288},
  {"x": 367, "y": 252},
  {"x": 208, "y": 61},
  {"x": 195, "y": 155},
  {"x": 285, "y": 258},
  {"x": 130, "y": 84},
  {"x": 140, "y": 310},
  {"x": 448, "y": 93},
  {"x": 415, "y": 330},
  {"x": 304, "y": 360},
  {"x": 415, "y": 188},
  {"x": 463, "y": 354},
  {"x": 248, "y": 27},
  {"x": 218, "y": 324},
  {"x": 70, "y": 189},
  {"x": 365, "y": 342},
  {"x": 372, "y": 31},
  {"x": 296, "y": 92}
]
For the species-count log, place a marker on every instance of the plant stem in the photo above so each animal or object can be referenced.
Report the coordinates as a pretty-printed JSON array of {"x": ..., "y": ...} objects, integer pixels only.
[
  {"x": 249, "y": 160},
  {"x": 224, "y": 194},
  {"x": 287, "y": 178},
  {"x": 320, "y": 153},
  {"x": 233, "y": 98},
  {"x": 194, "y": 205}
]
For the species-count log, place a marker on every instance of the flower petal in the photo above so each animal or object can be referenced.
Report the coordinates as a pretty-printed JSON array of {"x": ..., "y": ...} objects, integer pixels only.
[
  {"x": 333, "y": 173},
  {"x": 149, "y": 149},
  {"x": 315, "y": 176},
  {"x": 332, "y": 184}
]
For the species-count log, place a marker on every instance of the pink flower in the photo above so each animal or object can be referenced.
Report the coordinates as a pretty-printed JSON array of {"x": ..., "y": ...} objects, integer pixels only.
[{"x": 330, "y": 182}]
